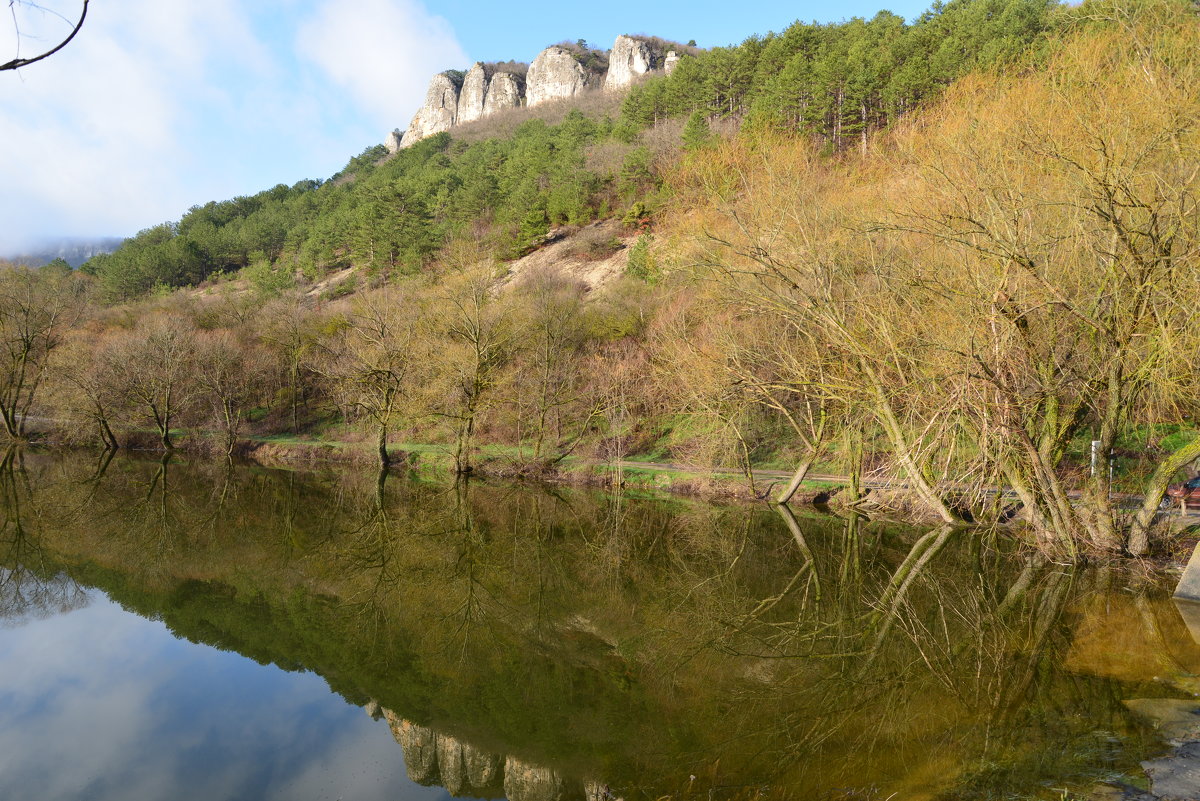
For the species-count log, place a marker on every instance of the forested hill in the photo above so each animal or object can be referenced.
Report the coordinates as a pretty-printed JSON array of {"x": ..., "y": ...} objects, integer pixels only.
[
  {"x": 837, "y": 82},
  {"x": 998, "y": 280}
]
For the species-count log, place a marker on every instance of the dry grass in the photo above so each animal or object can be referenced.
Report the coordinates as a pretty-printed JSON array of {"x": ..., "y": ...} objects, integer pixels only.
[{"x": 593, "y": 103}]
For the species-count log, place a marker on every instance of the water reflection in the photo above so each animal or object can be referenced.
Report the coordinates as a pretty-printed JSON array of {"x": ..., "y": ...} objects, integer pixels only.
[{"x": 551, "y": 644}]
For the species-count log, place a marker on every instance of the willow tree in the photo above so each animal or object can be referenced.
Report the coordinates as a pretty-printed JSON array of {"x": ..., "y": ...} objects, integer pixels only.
[{"x": 1070, "y": 255}]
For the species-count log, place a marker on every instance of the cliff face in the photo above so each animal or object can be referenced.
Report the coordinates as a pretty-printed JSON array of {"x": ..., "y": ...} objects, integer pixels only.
[
  {"x": 630, "y": 59},
  {"x": 505, "y": 90},
  {"x": 474, "y": 94},
  {"x": 555, "y": 74},
  {"x": 440, "y": 111}
]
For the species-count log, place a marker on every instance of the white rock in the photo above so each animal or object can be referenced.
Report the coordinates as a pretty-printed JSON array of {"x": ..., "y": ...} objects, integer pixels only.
[
  {"x": 630, "y": 59},
  {"x": 474, "y": 94},
  {"x": 394, "y": 141},
  {"x": 504, "y": 91},
  {"x": 555, "y": 74},
  {"x": 440, "y": 111}
]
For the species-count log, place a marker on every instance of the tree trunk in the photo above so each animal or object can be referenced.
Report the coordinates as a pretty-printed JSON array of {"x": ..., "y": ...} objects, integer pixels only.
[
  {"x": 1139, "y": 531},
  {"x": 384, "y": 459},
  {"x": 797, "y": 479},
  {"x": 107, "y": 436},
  {"x": 891, "y": 426}
]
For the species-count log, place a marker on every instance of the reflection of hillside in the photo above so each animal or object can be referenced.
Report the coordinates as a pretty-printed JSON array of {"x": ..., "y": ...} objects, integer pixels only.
[{"x": 642, "y": 642}]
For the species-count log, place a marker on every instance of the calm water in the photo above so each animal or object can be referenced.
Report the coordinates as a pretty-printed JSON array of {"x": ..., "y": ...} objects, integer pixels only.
[{"x": 191, "y": 632}]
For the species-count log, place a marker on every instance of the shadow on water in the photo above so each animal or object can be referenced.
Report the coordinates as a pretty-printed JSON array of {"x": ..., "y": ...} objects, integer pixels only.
[{"x": 548, "y": 643}]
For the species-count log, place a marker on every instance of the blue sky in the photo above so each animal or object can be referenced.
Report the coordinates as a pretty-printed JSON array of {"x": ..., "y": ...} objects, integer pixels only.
[{"x": 159, "y": 105}]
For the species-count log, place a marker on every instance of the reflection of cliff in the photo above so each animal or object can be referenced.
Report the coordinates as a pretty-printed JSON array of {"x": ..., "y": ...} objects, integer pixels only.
[{"x": 433, "y": 758}]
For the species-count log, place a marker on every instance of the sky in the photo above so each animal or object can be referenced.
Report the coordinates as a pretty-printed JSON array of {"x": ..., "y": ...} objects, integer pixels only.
[{"x": 160, "y": 105}]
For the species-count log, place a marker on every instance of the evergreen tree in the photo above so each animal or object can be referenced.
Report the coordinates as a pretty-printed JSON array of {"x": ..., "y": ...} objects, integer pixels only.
[{"x": 696, "y": 133}]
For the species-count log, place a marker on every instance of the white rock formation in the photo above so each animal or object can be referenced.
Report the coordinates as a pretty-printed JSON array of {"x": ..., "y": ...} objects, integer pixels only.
[
  {"x": 474, "y": 94},
  {"x": 394, "y": 141},
  {"x": 553, "y": 75},
  {"x": 440, "y": 111},
  {"x": 504, "y": 91},
  {"x": 629, "y": 60},
  {"x": 670, "y": 62}
]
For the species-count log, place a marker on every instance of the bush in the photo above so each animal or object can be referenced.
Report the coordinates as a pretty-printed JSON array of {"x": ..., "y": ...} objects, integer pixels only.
[
  {"x": 594, "y": 244},
  {"x": 642, "y": 264}
]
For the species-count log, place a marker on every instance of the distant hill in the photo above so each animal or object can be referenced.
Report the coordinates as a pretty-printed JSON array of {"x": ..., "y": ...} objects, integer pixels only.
[{"x": 74, "y": 251}]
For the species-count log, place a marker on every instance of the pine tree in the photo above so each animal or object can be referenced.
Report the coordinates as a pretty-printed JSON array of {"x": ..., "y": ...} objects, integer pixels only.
[{"x": 696, "y": 133}]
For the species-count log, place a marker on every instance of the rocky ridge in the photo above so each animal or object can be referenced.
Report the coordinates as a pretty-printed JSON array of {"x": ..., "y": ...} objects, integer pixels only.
[{"x": 456, "y": 98}]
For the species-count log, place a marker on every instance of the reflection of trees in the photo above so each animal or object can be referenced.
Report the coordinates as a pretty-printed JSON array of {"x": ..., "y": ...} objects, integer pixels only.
[
  {"x": 634, "y": 641},
  {"x": 30, "y": 587}
]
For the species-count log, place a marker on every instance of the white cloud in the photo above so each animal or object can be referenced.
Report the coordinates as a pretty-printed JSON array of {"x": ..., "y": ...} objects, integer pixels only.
[
  {"x": 159, "y": 105},
  {"x": 94, "y": 137},
  {"x": 383, "y": 52}
]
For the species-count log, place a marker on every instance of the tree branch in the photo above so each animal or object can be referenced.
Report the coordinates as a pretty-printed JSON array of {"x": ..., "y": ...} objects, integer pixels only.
[{"x": 17, "y": 63}]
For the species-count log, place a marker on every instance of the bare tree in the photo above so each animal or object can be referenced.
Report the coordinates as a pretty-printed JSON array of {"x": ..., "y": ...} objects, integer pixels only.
[
  {"x": 369, "y": 359},
  {"x": 18, "y": 61},
  {"x": 155, "y": 367},
  {"x": 229, "y": 374},
  {"x": 35, "y": 309}
]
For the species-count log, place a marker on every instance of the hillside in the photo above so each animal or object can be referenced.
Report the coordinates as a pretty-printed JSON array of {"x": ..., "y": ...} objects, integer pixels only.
[{"x": 949, "y": 255}]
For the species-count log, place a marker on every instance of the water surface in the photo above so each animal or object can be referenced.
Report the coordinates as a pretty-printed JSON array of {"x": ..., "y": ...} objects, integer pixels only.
[{"x": 191, "y": 631}]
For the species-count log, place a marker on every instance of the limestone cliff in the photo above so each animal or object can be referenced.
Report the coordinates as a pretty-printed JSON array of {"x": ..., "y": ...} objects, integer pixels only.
[
  {"x": 455, "y": 98},
  {"x": 554, "y": 75},
  {"x": 505, "y": 90},
  {"x": 629, "y": 60},
  {"x": 440, "y": 110},
  {"x": 474, "y": 94}
]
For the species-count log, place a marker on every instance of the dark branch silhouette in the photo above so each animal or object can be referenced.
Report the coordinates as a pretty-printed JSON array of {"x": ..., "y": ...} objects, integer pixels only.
[{"x": 17, "y": 63}]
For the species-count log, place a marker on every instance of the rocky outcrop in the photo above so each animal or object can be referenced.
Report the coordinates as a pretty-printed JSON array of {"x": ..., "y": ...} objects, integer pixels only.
[
  {"x": 474, "y": 94},
  {"x": 629, "y": 60},
  {"x": 505, "y": 91},
  {"x": 455, "y": 98},
  {"x": 394, "y": 141},
  {"x": 554, "y": 75},
  {"x": 440, "y": 110}
]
